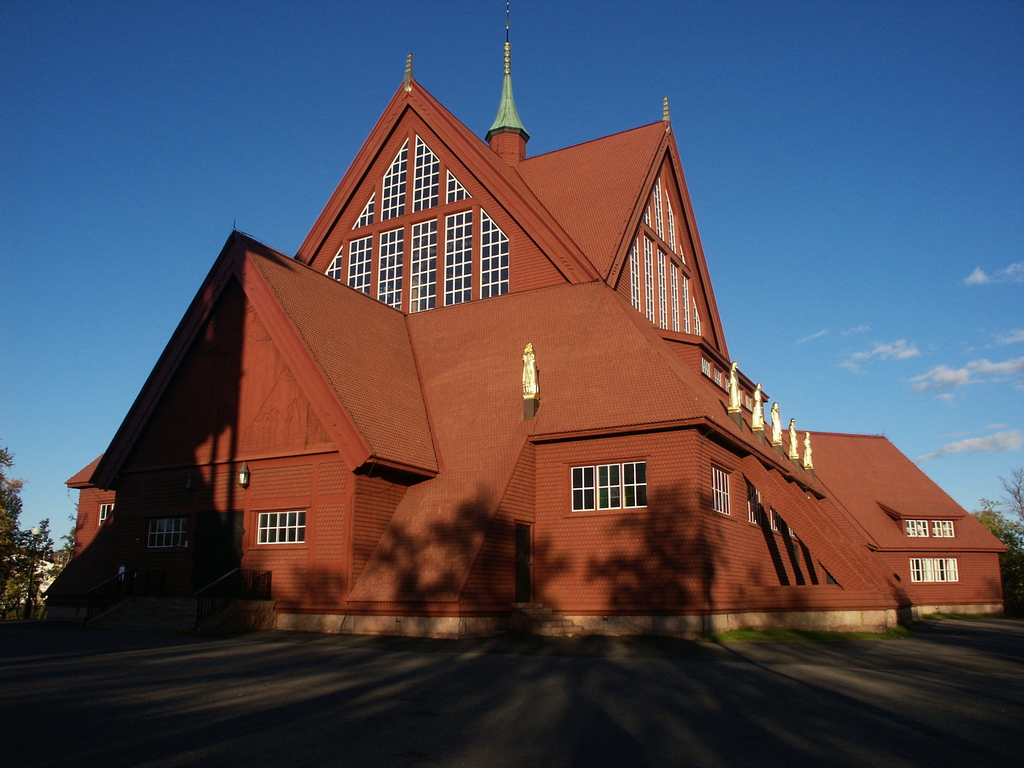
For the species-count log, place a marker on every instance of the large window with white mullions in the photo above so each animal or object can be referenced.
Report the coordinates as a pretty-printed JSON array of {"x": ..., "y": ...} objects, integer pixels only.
[
  {"x": 934, "y": 569},
  {"x": 392, "y": 202},
  {"x": 456, "y": 191},
  {"x": 281, "y": 527},
  {"x": 609, "y": 486},
  {"x": 720, "y": 490},
  {"x": 426, "y": 178},
  {"x": 389, "y": 268},
  {"x": 696, "y": 319},
  {"x": 458, "y": 258},
  {"x": 423, "y": 266},
  {"x": 662, "y": 292},
  {"x": 686, "y": 304},
  {"x": 674, "y": 282},
  {"x": 360, "y": 255},
  {"x": 659, "y": 227},
  {"x": 634, "y": 277},
  {"x": 671, "y": 226},
  {"x": 167, "y": 532},
  {"x": 493, "y": 258},
  {"x": 649, "y": 279},
  {"x": 942, "y": 529},
  {"x": 366, "y": 217},
  {"x": 336, "y": 270}
]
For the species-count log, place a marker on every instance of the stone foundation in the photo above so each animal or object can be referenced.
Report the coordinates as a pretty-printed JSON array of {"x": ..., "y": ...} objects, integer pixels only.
[
  {"x": 442, "y": 627},
  {"x": 917, "y": 612}
]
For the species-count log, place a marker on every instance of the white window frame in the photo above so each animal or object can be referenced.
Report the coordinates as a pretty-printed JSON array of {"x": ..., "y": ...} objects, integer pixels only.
[
  {"x": 426, "y": 185},
  {"x": 934, "y": 569},
  {"x": 671, "y": 226},
  {"x": 753, "y": 505},
  {"x": 360, "y": 263},
  {"x": 390, "y": 255},
  {"x": 366, "y": 217},
  {"x": 106, "y": 510},
  {"x": 916, "y": 528},
  {"x": 456, "y": 191},
  {"x": 165, "y": 532},
  {"x": 705, "y": 367},
  {"x": 720, "y": 490},
  {"x": 696, "y": 319},
  {"x": 423, "y": 266},
  {"x": 494, "y": 247},
  {"x": 942, "y": 529},
  {"x": 649, "y": 278},
  {"x": 673, "y": 271},
  {"x": 686, "y": 304},
  {"x": 634, "y": 277},
  {"x": 458, "y": 258},
  {"x": 659, "y": 225},
  {"x": 281, "y": 527},
  {"x": 392, "y": 203},
  {"x": 609, "y": 486},
  {"x": 662, "y": 291}
]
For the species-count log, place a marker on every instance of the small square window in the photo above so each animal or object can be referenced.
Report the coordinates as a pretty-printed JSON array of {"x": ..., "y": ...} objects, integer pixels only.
[
  {"x": 105, "y": 511},
  {"x": 942, "y": 529},
  {"x": 916, "y": 528},
  {"x": 167, "y": 532}
]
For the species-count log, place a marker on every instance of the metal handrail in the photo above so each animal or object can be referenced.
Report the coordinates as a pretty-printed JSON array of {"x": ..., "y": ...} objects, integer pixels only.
[
  {"x": 239, "y": 584},
  {"x": 128, "y": 583}
]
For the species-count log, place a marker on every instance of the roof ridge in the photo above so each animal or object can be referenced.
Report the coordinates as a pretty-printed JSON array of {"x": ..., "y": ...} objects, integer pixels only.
[{"x": 592, "y": 141}]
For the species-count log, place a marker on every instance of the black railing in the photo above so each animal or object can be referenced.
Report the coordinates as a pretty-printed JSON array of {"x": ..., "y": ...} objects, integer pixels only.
[
  {"x": 130, "y": 583},
  {"x": 239, "y": 584}
]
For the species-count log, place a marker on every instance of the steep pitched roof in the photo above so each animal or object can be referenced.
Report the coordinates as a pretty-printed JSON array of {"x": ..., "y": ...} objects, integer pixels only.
[
  {"x": 366, "y": 394},
  {"x": 83, "y": 477},
  {"x": 491, "y": 171},
  {"x": 870, "y": 475},
  {"x": 593, "y": 188}
]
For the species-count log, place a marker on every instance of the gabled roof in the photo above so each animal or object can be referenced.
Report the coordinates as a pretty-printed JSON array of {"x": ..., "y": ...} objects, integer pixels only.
[
  {"x": 83, "y": 477},
  {"x": 349, "y": 353},
  {"x": 593, "y": 188},
  {"x": 489, "y": 169},
  {"x": 869, "y": 476}
]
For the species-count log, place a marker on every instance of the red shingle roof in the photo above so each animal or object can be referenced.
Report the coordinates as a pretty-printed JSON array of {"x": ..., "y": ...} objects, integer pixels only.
[
  {"x": 83, "y": 477},
  {"x": 592, "y": 188}
]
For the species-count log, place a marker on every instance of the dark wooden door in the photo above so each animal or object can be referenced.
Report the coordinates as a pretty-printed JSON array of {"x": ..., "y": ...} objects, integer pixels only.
[
  {"x": 523, "y": 564},
  {"x": 218, "y": 545}
]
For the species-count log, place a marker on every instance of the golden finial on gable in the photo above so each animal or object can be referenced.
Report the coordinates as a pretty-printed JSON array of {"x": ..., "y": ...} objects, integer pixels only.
[{"x": 408, "y": 73}]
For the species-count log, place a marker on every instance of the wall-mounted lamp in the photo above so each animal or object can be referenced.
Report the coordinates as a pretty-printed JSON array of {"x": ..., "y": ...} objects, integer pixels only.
[
  {"x": 243, "y": 475},
  {"x": 190, "y": 481}
]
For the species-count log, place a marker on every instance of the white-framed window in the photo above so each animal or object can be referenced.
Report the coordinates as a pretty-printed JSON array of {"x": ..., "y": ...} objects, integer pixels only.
[
  {"x": 366, "y": 217},
  {"x": 720, "y": 490},
  {"x": 696, "y": 319},
  {"x": 336, "y": 270},
  {"x": 389, "y": 271},
  {"x": 718, "y": 377},
  {"x": 360, "y": 255},
  {"x": 773, "y": 519},
  {"x": 493, "y": 258},
  {"x": 753, "y": 505},
  {"x": 458, "y": 258},
  {"x": 426, "y": 178},
  {"x": 705, "y": 367},
  {"x": 659, "y": 226},
  {"x": 647, "y": 214},
  {"x": 609, "y": 486},
  {"x": 423, "y": 266},
  {"x": 916, "y": 528},
  {"x": 747, "y": 402},
  {"x": 634, "y": 277},
  {"x": 105, "y": 512},
  {"x": 649, "y": 279},
  {"x": 393, "y": 193},
  {"x": 456, "y": 191},
  {"x": 281, "y": 527},
  {"x": 686, "y": 304},
  {"x": 662, "y": 291},
  {"x": 672, "y": 226},
  {"x": 942, "y": 529},
  {"x": 934, "y": 569},
  {"x": 167, "y": 532},
  {"x": 673, "y": 278}
]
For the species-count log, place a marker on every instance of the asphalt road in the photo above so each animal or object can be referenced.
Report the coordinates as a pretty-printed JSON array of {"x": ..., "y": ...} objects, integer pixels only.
[{"x": 951, "y": 695}]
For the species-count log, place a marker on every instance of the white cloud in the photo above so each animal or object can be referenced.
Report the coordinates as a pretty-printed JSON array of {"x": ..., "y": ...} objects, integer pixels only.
[
  {"x": 1011, "y": 274},
  {"x": 1001, "y": 441},
  {"x": 858, "y": 329},
  {"x": 976, "y": 371},
  {"x": 1014, "y": 336},
  {"x": 817, "y": 335},
  {"x": 994, "y": 426},
  {"x": 897, "y": 350}
]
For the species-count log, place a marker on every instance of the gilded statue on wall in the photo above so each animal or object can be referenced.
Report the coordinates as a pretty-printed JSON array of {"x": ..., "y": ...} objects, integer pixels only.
[
  {"x": 793, "y": 453},
  {"x": 531, "y": 390},
  {"x": 776, "y": 425}
]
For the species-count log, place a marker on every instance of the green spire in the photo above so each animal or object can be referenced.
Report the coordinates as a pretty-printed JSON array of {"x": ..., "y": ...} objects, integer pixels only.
[{"x": 507, "y": 120}]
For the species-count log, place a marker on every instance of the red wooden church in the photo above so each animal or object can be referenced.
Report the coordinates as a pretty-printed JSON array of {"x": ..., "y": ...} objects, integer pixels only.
[{"x": 495, "y": 390}]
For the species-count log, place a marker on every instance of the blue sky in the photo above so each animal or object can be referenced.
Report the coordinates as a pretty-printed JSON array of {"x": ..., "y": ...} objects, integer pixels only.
[{"x": 856, "y": 169}]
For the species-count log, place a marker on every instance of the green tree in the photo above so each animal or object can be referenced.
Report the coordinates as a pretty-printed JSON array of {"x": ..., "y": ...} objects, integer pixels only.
[
  {"x": 10, "y": 512},
  {"x": 1010, "y": 531}
]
